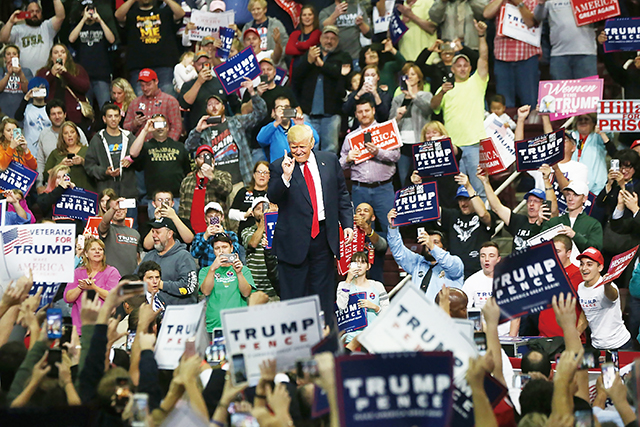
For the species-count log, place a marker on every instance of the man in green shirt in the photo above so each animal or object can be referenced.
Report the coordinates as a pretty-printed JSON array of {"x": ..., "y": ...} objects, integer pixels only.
[{"x": 226, "y": 282}]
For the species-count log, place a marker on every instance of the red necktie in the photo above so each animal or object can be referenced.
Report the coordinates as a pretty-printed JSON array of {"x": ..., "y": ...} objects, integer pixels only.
[{"x": 315, "y": 225}]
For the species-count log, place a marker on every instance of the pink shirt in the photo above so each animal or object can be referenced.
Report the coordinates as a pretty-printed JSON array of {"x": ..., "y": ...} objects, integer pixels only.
[{"x": 107, "y": 279}]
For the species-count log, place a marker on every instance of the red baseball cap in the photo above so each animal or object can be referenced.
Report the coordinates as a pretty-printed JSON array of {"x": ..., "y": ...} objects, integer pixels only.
[
  {"x": 204, "y": 148},
  {"x": 635, "y": 143},
  {"x": 593, "y": 254},
  {"x": 250, "y": 30},
  {"x": 147, "y": 75}
]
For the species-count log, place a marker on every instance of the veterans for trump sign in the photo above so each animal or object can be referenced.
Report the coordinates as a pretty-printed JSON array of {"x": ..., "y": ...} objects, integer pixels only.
[
  {"x": 284, "y": 331},
  {"x": 525, "y": 281},
  {"x": 623, "y": 34},
  {"x": 533, "y": 153},
  {"x": 416, "y": 203},
  {"x": 590, "y": 11},
  {"x": 435, "y": 158},
  {"x": 567, "y": 98},
  {"x": 385, "y": 136},
  {"x": 395, "y": 389},
  {"x": 616, "y": 115}
]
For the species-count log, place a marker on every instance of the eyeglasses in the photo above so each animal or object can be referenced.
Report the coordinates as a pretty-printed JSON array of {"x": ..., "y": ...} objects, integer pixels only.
[{"x": 263, "y": 172}]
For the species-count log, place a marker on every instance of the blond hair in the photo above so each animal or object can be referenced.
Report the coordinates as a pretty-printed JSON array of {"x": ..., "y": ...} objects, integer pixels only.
[
  {"x": 435, "y": 125},
  {"x": 262, "y": 3}
]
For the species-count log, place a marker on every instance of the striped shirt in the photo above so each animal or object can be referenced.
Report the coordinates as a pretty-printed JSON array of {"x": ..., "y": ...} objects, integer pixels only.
[{"x": 256, "y": 263}]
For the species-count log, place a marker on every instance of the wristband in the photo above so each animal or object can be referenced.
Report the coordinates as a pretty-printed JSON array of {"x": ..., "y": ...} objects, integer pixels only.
[
  {"x": 548, "y": 188},
  {"x": 475, "y": 195},
  {"x": 260, "y": 396},
  {"x": 129, "y": 159},
  {"x": 481, "y": 35},
  {"x": 372, "y": 231}
]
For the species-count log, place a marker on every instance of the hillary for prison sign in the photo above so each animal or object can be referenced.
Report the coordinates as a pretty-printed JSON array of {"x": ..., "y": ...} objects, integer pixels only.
[
  {"x": 619, "y": 115},
  {"x": 525, "y": 282},
  {"x": 284, "y": 331}
]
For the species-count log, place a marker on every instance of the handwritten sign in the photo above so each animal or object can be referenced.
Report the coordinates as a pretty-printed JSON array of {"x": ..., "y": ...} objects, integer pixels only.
[
  {"x": 588, "y": 11},
  {"x": 233, "y": 72},
  {"x": 533, "y": 153},
  {"x": 352, "y": 317},
  {"x": 525, "y": 281},
  {"x": 618, "y": 264},
  {"x": 435, "y": 158},
  {"x": 226, "y": 37},
  {"x": 76, "y": 203},
  {"x": 385, "y": 136},
  {"x": 416, "y": 203},
  {"x": 619, "y": 115},
  {"x": 512, "y": 25},
  {"x": 623, "y": 34},
  {"x": 17, "y": 176},
  {"x": 567, "y": 98},
  {"x": 270, "y": 221},
  {"x": 209, "y": 24}
]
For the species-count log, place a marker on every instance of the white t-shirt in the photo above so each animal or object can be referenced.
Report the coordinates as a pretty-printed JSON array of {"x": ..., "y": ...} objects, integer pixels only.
[
  {"x": 479, "y": 288},
  {"x": 604, "y": 317},
  {"x": 571, "y": 170},
  {"x": 34, "y": 43}
]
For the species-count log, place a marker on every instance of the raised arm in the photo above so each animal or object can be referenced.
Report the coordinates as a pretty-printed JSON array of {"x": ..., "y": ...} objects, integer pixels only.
[
  {"x": 483, "y": 60},
  {"x": 503, "y": 212},
  {"x": 58, "y": 19}
]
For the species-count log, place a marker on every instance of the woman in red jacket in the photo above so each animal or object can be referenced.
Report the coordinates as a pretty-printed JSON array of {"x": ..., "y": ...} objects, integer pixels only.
[
  {"x": 66, "y": 79},
  {"x": 307, "y": 35}
]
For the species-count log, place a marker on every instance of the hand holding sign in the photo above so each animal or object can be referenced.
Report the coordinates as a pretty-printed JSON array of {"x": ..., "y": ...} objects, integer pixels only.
[
  {"x": 478, "y": 368},
  {"x": 348, "y": 235}
]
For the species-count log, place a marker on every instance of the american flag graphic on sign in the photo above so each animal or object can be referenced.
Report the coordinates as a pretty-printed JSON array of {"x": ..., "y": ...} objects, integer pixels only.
[{"x": 14, "y": 237}]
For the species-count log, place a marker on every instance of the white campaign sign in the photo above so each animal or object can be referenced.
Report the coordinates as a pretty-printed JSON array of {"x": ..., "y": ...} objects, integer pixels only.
[
  {"x": 47, "y": 249},
  {"x": 514, "y": 26},
  {"x": 503, "y": 139},
  {"x": 545, "y": 236},
  {"x": 413, "y": 323},
  {"x": 208, "y": 24},
  {"x": 284, "y": 331},
  {"x": 180, "y": 322}
]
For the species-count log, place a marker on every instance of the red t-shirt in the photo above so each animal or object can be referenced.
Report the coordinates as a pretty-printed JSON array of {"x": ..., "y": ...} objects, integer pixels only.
[
  {"x": 547, "y": 324},
  {"x": 198, "y": 223}
]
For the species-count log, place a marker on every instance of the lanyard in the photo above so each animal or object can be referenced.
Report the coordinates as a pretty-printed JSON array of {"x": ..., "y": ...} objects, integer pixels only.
[{"x": 123, "y": 150}]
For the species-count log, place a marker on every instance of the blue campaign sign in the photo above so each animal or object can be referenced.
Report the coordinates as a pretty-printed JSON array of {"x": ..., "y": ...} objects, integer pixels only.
[
  {"x": 76, "y": 203},
  {"x": 589, "y": 204},
  {"x": 320, "y": 404},
  {"x": 226, "y": 37},
  {"x": 533, "y": 153},
  {"x": 397, "y": 28},
  {"x": 395, "y": 389},
  {"x": 352, "y": 317},
  {"x": 623, "y": 34},
  {"x": 463, "y": 405},
  {"x": 281, "y": 78},
  {"x": 416, "y": 203},
  {"x": 233, "y": 72},
  {"x": 270, "y": 221},
  {"x": 525, "y": 281},
  {"x": 49, "y": 291},
  {"x": 435, "y": 158},
  {"x": 17, "y": 176}
]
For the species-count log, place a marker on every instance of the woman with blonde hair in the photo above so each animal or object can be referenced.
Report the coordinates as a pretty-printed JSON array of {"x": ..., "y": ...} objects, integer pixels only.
[
  {"x": 70, "y": 152},
  {"x": 68, "y": 81},
  {"x": 184, "y": 71},
  {"x": 122, "y": 95},
  {"x": 273, "y": 35},
  {"x": 59, "y": 181},
  {"x": 15, "y": 149},
  {"x": 93, "y": 275}
]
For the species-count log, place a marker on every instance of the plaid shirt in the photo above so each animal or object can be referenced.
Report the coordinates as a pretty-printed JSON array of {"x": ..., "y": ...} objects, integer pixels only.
[
  {"x": 202, "y": 250},
  {"x": 511, "y": 50},
  {"x": 161, "y": 103},
  {"x": 218, "y": 190}
]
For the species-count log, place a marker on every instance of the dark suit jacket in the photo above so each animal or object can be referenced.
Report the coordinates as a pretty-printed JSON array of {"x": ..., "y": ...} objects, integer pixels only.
[{"x": 295, "y": 213}]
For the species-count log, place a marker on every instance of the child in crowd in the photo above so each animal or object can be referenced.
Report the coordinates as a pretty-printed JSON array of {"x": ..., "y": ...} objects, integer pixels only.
[{"x": 497, "y": 106}]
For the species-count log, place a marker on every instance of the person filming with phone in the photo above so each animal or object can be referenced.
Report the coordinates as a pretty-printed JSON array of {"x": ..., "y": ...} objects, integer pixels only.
[
  {"x": 202, "y": 246},
  {"x": 13, "y": 146},
  {"x": 121, "y": 242}
]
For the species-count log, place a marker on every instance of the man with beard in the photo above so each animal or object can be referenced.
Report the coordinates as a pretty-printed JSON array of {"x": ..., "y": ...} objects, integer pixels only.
[
  {"x": 35, "y": 39},
  {"x": 431, "y": 269},
  {"x": 121, "y": 243},
  {"x": 179, "y": 280}
]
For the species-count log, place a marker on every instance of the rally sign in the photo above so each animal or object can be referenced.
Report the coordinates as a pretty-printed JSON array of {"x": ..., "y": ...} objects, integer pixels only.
[
  {"x": 416, "y": 203},
  {"x": 589, "y": 11},
  {"x": 49, "y": 290},
  {"x": 180, "y": 322},
  {"x": 397, "y": 27},
  {"x": 348, "y": 249},
  {"x": 490, "y": 160},
  {"x": 270, "y": 221},
  {"x": 209, "y": 24},
  {"x": 502, "y": 137},
  {"x": 587, "y": 206},
  {"x": 281, "y": 77},
  {"x": 435, "y": 158},
  {"x": 533, "y": 153},
  {"x": 17, "y": 176},
  {"x": 623, "y": 34},
  {"x": 94, "y": 221},
  {"x": 525, "y": 281},
  {"x": 238, "y": 68},
  {"x": 546, "y": 236},
  {"x": 292, "y": 8},
  {"x": 47, "y": 249},
  {"x": 398, "y": 389},
  {"x": 619, "y": 115},
  {"x": 618, "y": 264},
  {"x": 76, "y": 203},
  {"x": 567, "y": 98},
  {"x": 385, "y": 136},
  {"x": 226, "y": 37},
  {"x": 463, "y": 405},
  {"x": 284, "y": 331},
  {"x": 320, "y": 405},
  {"x": 512, "y": 25},
  {"x": 352, "y": 317}
]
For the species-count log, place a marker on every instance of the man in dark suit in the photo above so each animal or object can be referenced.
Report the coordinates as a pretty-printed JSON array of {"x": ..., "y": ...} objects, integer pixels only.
[{"x": 306, "y": 238}]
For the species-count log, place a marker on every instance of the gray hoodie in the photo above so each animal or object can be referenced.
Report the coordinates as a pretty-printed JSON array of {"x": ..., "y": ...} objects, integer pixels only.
[{"x": 179, "y": 278}]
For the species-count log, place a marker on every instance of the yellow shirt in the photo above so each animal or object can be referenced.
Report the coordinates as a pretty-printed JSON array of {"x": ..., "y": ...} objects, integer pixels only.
[
  {"x": 416, "y": 39},
  {"x": 463, "y": 110}
]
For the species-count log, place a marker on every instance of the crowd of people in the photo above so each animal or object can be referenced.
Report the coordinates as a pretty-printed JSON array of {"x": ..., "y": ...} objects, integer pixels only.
[{"x": 118, "y": 99}]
